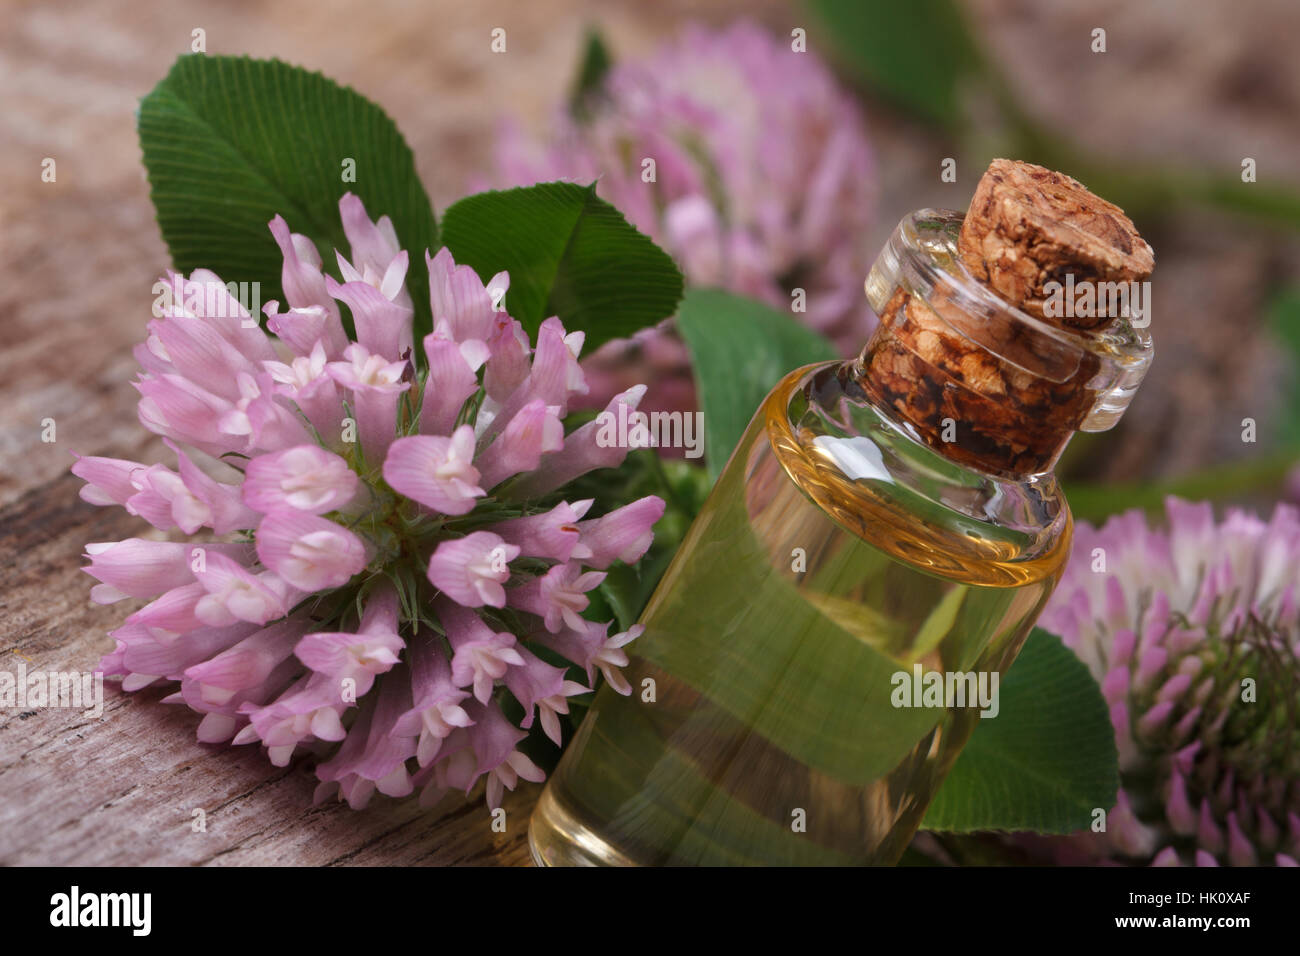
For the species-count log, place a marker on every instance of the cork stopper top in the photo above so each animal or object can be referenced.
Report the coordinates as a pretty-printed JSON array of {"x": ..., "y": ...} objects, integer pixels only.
[{"x": 1028, "y": 226}]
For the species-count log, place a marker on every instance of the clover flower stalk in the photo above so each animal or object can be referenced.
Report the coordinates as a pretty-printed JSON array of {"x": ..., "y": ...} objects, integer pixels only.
[
  {"x": 1194, "y": 634},
  {"x": 742, "y": 157},
  {"x": 385, "y": 562}
]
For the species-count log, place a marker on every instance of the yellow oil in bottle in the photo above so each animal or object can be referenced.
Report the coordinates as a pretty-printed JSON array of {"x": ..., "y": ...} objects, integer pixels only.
[{"x": 761, "y": 728}]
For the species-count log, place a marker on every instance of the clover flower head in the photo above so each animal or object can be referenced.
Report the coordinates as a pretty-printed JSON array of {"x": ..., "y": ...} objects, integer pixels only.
[
  {"x": 383, "y": 561},
  {"x": 743, "y": 158},
  {"x": 1194, "y": 635}
]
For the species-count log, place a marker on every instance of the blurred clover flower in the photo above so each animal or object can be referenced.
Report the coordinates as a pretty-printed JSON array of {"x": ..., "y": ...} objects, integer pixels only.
[
  {"x": 745, "y": 160},
  {"x": 401, "y": 568},
  {"x": 1193, "y": 635}
]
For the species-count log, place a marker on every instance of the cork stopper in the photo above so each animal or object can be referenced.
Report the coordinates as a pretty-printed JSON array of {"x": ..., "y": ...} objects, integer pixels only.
[
  {"x": 1028, "y": 226},
  {"x": 968, "y": 353}
]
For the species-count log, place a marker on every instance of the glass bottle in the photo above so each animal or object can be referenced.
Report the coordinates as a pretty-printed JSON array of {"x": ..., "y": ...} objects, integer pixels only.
[{"x": 893, "y": 510}]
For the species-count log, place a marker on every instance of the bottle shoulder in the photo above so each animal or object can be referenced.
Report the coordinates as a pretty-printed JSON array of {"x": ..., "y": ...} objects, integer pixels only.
[{"x": 903, "y": 497}]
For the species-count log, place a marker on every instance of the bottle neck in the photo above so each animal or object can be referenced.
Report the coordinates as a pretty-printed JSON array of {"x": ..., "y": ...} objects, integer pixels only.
[
  {"x": 876, "y": 479},
  {"x": 982, "y": 383},
  {"x": 969, "y": 405}
]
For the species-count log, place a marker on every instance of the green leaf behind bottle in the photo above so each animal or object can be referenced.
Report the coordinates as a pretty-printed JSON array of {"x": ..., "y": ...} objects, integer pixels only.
[
  {"x": 739, "y": 349},
  {"x": 1045, "y": 763}
]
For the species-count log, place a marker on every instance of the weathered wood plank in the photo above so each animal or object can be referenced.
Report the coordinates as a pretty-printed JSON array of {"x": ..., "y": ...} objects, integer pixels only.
[{"x": 123, "y": 787}]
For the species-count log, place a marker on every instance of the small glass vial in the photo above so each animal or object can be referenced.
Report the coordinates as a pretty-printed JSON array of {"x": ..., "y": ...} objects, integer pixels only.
[{"x": 893, "y": 510}]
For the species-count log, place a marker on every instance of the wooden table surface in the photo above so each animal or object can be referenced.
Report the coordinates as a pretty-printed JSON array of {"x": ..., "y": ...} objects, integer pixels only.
[{"x": 79, "y": 257}]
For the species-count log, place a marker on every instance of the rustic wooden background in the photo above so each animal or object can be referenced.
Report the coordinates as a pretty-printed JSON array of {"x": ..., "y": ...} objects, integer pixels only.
[{"x": 78, "y": 258}]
